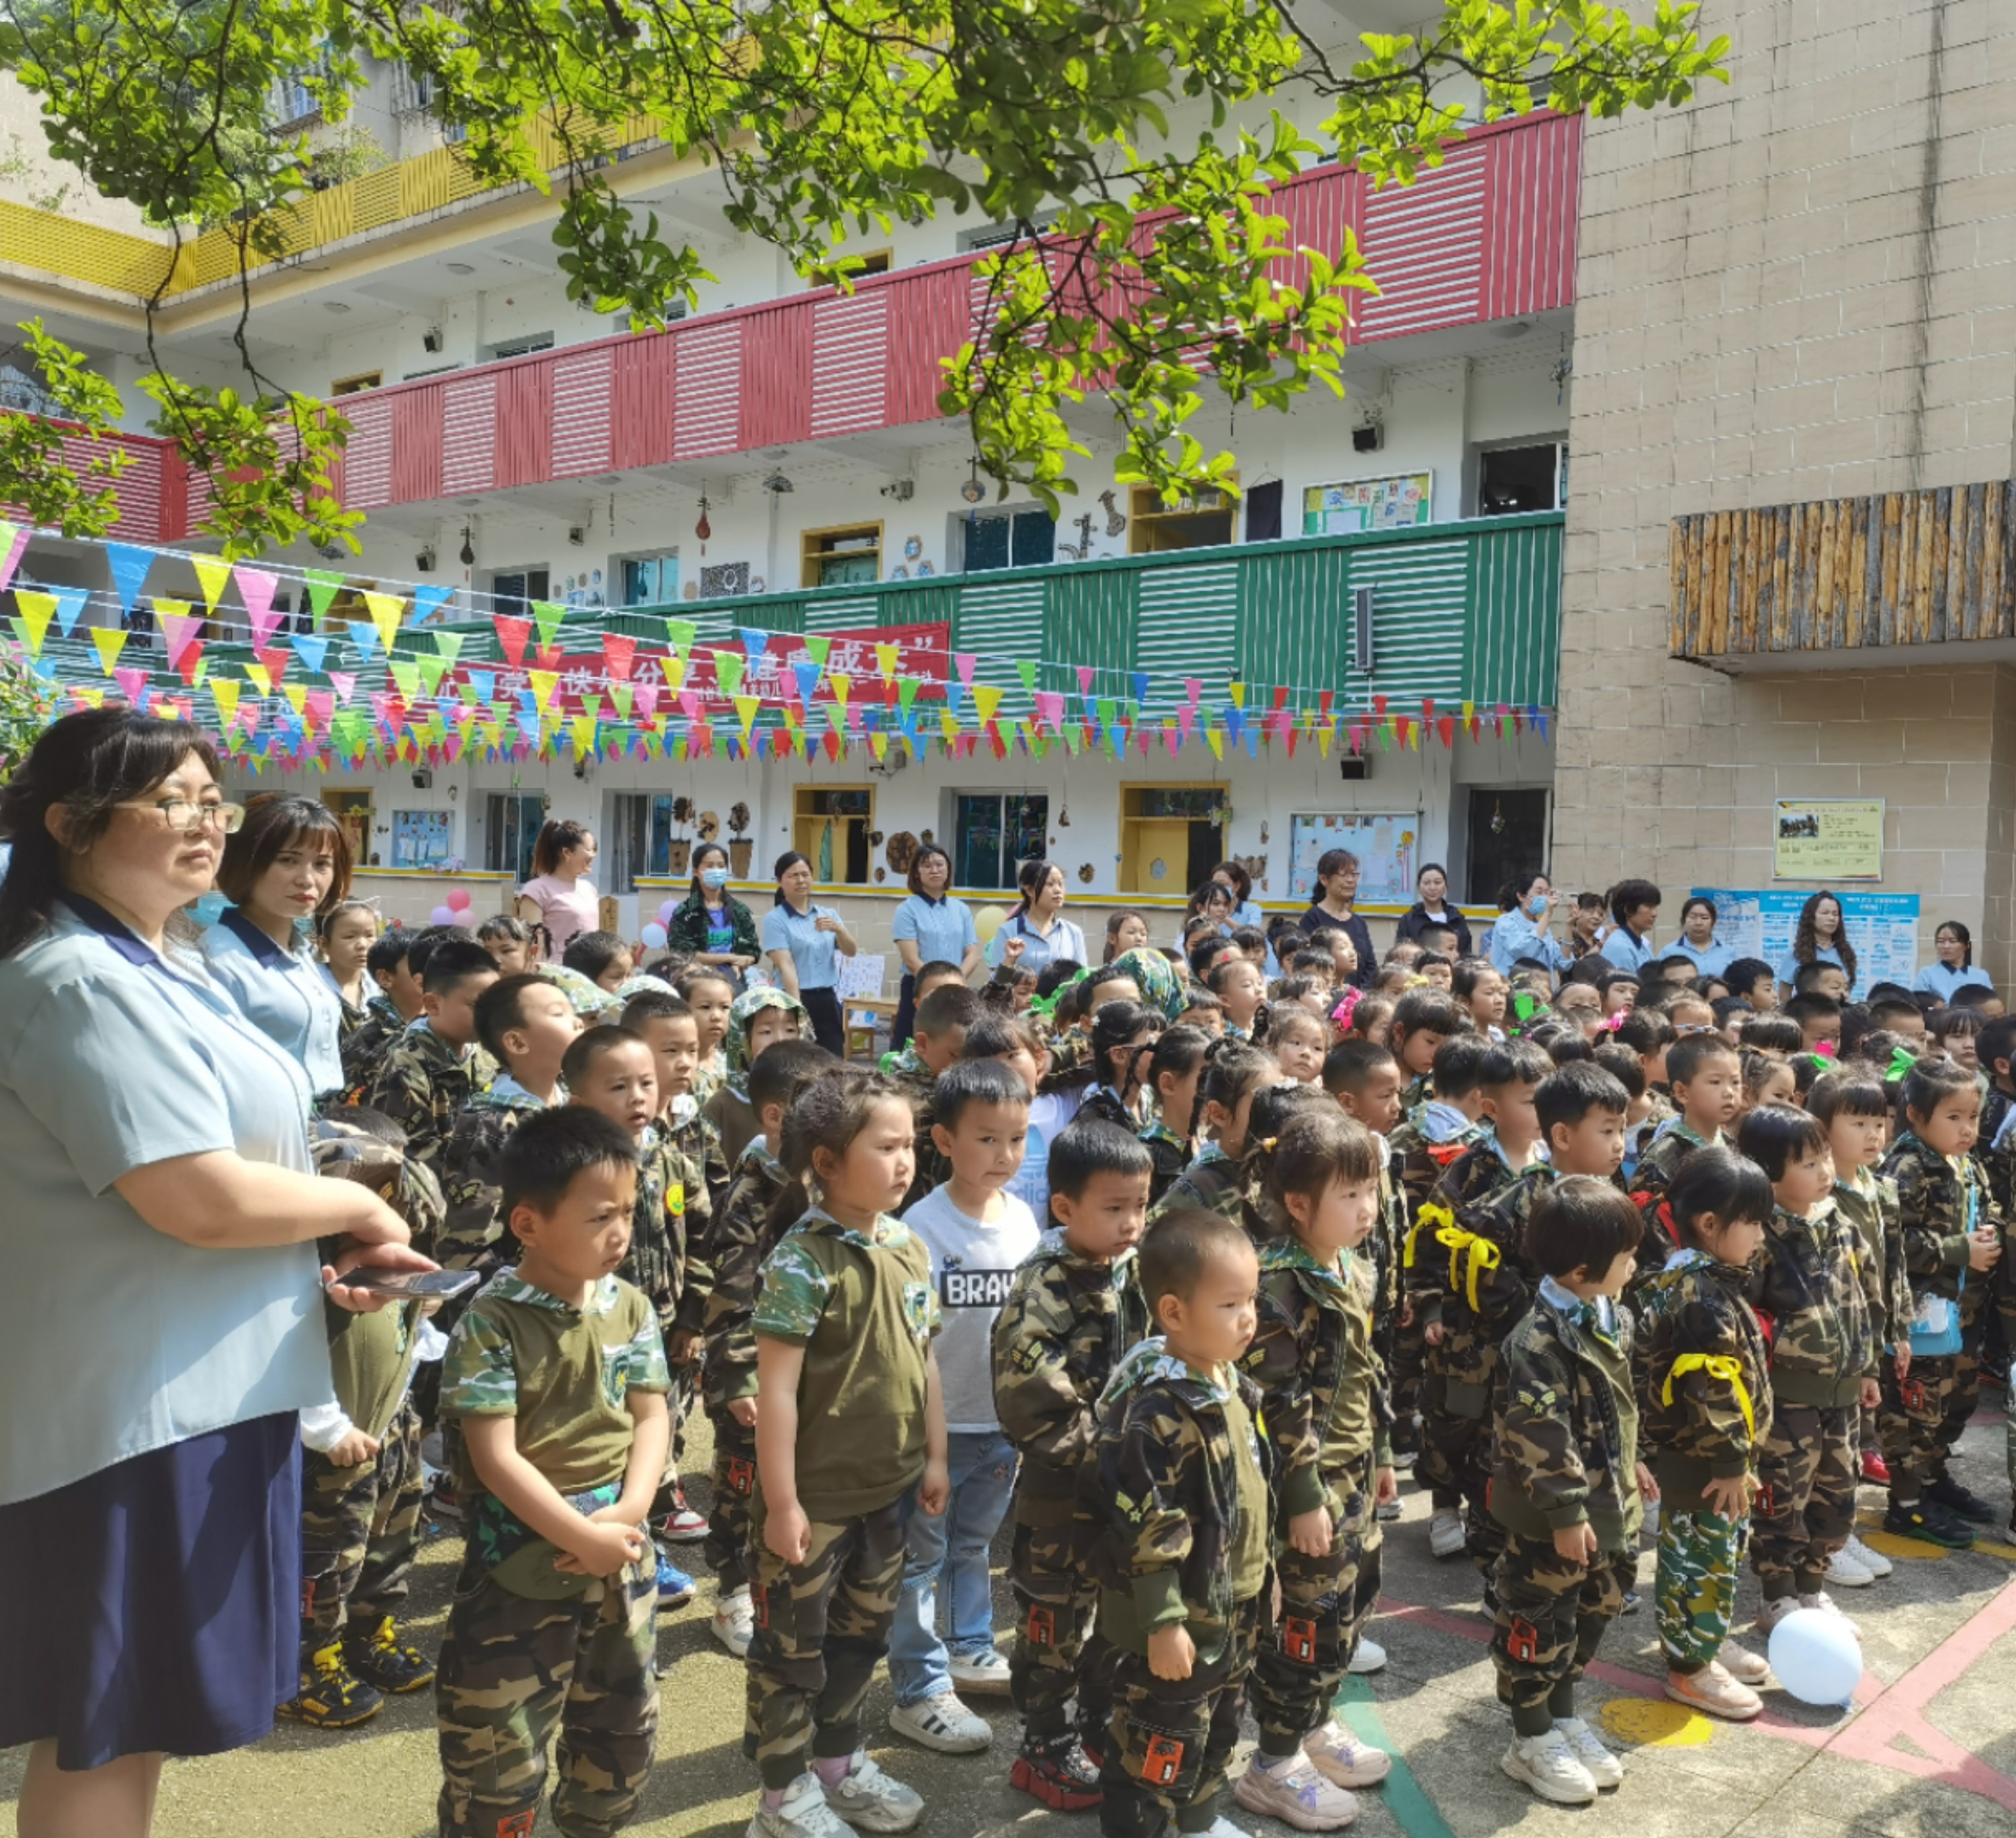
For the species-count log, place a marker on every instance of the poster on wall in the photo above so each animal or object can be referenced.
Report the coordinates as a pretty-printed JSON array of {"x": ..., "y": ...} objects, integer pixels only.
[
  {"x": 1397, "y": 503},
  {"x": 419, "y": 838},
  {"x": 1882, "y": 927},
  {"x": 1828, "y": 839},
  {"x": 1385, "y": 846}
]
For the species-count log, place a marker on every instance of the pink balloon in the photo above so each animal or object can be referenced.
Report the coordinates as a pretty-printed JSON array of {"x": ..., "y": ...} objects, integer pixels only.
[
  {"x": 441, "y": 916},
  {"x": 458, "y": 898},
  {"x": 666, "y": 910}
]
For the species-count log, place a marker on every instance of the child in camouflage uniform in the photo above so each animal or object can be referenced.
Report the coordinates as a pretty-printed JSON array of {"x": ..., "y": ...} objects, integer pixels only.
[
  {"x": 1182, "y": 1474},
  {"x": 387, "y": 1015},
  {"x": 757, "y": 1018},
  {"x": 670, "y": 1029},
  {"x": 430, "y": 1074},
  {"x": 1233, "y": 1072},
  {"x": 361, "y": 1478},
  {"x": 556, "y": 1377},
  {"x": 1176, "y": 1071},
  {"x": 1705, "y": 1397},
  {"x": 743, "y": 1237},
  {"x": 710, "y": 992},
  {"x": 1422, "y": 1021},
  {"x": 1566, "y": 1484},
  {"x": 1953, "y": 1250},
  {"x": 1322, "y": 1402},
  {"x": 1707, "y": 1079},
  {"x": 1820, "y": 1297},
  {"x": 1075, "y": 1308},
  {"x": 850, "y": 1426}
]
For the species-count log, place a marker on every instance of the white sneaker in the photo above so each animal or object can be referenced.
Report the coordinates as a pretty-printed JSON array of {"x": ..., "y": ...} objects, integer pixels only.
[
  {"x": 1844, "y": 1573},
  {"x": 1742, "y": 1665},
  {"x": 941, "y": 1723},
  {"x": 734, "y": 1623},
  {"x": 1606, "y": 1769},
  {"x": 1446, "y": 1537},
  {"x": 1368, "y": 1656},
  {"x": 869, "y": 1800},
  {"x": 1874, "y": 1561},
  {"x": 986, "y": 1672},
  {"x": 1825, "y": 1603},
  {"x": 805, "y": 1814},
  {"x": 1347, "y": 1760},
  {"x": 1293, "y": 1792},
  {"x": 1770, "y": 1613},
  {"x": 1548, "y": 1765}
]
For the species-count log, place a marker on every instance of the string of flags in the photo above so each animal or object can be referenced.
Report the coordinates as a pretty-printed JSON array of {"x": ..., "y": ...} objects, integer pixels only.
[{"x": 389, "y": 688}]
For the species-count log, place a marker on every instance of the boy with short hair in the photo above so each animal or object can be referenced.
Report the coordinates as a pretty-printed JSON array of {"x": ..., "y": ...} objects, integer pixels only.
[
  {"x": 977, "y": 1235},
  {"x": 1182, "y": 1474},
  {"x": 387, "y": 1015},
  {"x": 1705, "y": 1074},
  {"x": 672, "y": 1030},
  {"x": 429, "y": 1075},
  {"x": 943, "y": 1018},
  {"x": 757, "y": 1019},
  {"x": 1424, "y": 1019},
  {"x": 1567, "y": 1486},
  {"x": 1366, "y": 1081},
  {"x": 744, "y": 1235},
  {"x": 902, "y": 1062},
  {"x": 556, "y": 1377},
  {"x": 1819, "y": 1017},
  {"x": 1072, "y": 1308}
]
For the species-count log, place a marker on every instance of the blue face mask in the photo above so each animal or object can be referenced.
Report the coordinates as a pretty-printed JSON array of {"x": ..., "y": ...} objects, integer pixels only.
[
  {"x": 209, "y": 908},
  {"x": 1533, "y": 907},
  {"x": 713, "y": 880}
]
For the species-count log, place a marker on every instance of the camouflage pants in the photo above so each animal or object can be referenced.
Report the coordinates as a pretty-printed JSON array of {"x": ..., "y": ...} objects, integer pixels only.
[
  {"x": 1406, "y": 1354},
  {"x": 360, "y": 1531},
  {"x": 512, "y": 1671},
  {"x": 727, "y": 1522},
  {"x": 1172, "y": 1739},
  {"x": 1304, "y": 1652},
  {"x": 1059, "y": 1650},
  {"x": 1456, "y": 1425},
  {"x": 1805, "y": 1504},
  {"x": 679, "y": 1403},
  {"x": 1924, "y": 1414},
  {"x": 1699, "y": 1556},
  {"x": 1551, "y": 1616},
  {"x": 821, "y": 1626}
]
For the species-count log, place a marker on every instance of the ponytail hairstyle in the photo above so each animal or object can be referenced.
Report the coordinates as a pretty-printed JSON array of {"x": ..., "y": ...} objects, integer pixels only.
[
  {"x": 1113, "y": 1027},
  {"x": 1179, "y": 1052},
  {"x": 1274, "y": 1109},
  {"x": 825, "y": 1118},
  {"x": 1233, "y": 1068},
  {"x": 1758, "y": 1070},
  {"x": 1277, "y": 1020},
  {"x": 325, "y": 921},
  {"x": 1718, "y": 1182},
  {"x": 1928, "y": 1085},
  {"x": 1368, "y": 1015},
  {"x": 1317, "y": 1149}
]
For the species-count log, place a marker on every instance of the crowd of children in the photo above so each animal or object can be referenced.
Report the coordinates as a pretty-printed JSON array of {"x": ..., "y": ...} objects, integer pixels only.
[{"x": 1174, "y": 1271}]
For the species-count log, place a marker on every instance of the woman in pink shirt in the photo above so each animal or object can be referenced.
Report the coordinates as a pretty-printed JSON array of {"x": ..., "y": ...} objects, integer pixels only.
[{"x": 560, "y": 896}]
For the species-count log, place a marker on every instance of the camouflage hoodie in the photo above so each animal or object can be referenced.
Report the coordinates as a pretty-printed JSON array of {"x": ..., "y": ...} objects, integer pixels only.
[
  {"x": 670, "y": 1224},
  {"x": 1212, "y": 1181},
  {"x": 475, "y": 1235},
  {"x": 1870, "y": 1206},
  {"x": 1938, "y": 1202},
  {"x": 1705, "y": 1386},
  {"x": 1168, "y": 1475},
  {"x": 729, "y": 1108},
  {"x": 742, "y": 1238},
  {"x": 1816, "y": 1291}
]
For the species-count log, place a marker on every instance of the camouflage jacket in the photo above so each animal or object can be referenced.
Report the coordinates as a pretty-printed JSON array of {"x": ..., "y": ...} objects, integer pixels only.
[
  {"x": 365, "y": 1043},
  {"x": 1212, "y": 1181},
  {"x": 1477, "y": 1175},
  {"x": 1937, "y": 1204},
  {"x": 1417, "y": 1162},
  {"x": 742, "y": 1239},
  {"x": 1064, "y": 1327},
  {"x": 475, "y": 1235},
  {"x": 1873, "y": 1211},
  {"x": 1485, "y": 1283},
  {"x": 1102, "y": 1102},
  {"x": 694, "y": 1136},
  {"x": 422, "y": 1086},
  {"x": 1168, "y": 1479},
  {"x": 1651, "y": 1181},
  {"x": 1566, "y": 1448},
  {"x": 668, "y": 1231},
  {"x": 1322, "y": 1385},
  {"x": 1169, "y": 1154},
  {"x": 1815, "y": 1289},
  {"x": 1419, "y": 1090},
  {"x": 1705, "y": 1383}
]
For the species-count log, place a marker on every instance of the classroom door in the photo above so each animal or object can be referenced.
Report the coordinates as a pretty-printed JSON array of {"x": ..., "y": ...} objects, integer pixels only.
[
  {"x": 1508, "y": 836},
  {"x": 1161, "y": 856}
]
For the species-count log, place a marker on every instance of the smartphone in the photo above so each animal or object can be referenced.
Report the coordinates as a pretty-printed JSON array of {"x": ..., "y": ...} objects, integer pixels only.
[{"x": 412, "y": 1285}]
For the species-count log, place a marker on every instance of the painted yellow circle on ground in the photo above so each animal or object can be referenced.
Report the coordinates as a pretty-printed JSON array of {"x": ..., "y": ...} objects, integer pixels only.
[{"x": 1656, "y": 1723}]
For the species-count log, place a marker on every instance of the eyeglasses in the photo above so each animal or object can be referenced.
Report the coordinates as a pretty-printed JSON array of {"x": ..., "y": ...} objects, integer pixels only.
[{"x": 187, "y": 815}]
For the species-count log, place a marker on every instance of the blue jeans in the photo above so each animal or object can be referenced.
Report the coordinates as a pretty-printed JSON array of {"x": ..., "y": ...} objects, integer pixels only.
[{"x": 956, "y": 1544}]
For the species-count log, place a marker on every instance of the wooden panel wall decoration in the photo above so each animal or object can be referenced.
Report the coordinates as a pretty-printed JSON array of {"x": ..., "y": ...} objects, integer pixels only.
[{"x": 1846, "y": 574}]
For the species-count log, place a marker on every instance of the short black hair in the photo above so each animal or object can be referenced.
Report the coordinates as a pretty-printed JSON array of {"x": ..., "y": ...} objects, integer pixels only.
[
  {"x": 1881, "y": 1008},
  {"x": 997, "y": 1035},
  {"x": 1997, "y": 1041},
  {"x": 1772, "y": 1134},
  {"x": 1718, "y": 1180},
  {"x": 1055, "y": 975},
  {"x": 967, "y": 1081},
  {"x": 694, "y": 974},
  {"x": 1249, "y": 938},
  {"x": 592, "y": 953},
  {"x": 935, "y": 971},
  {"x": 1201, "y": 955},
  {"x": 1849, "y": 1091},
  {"x": 1627, "y": 896},
  {"x": 1176, "y": 1248},
  {"x": 1563, "y": 1043},
  {"x": 1746, "y": 973},
  {"x": 782, "y": 1070},
  {"x": 1513, "y": 1062},
  {"x": 1091, "y": 1146},
  {"x": 1315, "y": 963},
  {"x": 949, "y": 1006},
  {"x": 1569, "y": 1093},
  {"x": 1688, "y": 1054},
  {"x": 542, "y": 1157},
  {"x": 389, "y": 950},
  {"x": 1726, "y": 1006},
  {"x": 451, "y": 963},
  {"x": 1277, "y": 1106},
  {"x": 502, "y": 1007},
  {"x": 1459, "y": 1065},
  {"x": 1611, "y": 980},
  {"x": 1773, "y": 1033},
  {"x": 1644, "y": 1030},
  {"x": 1621, "y": 1063},
  {"x": 590, "y": 1046},
  {"x": 1581, "y": 1222},
  {"x": 1930, "y": 1082},
  {"x": 1811, "y": 1005},
  {"x": 1807, "y": 976},
  {"x": 655, "y": 1005},
  {"x": 1974, "y": 996},
  {"x": 1350, "y": 1063},
  {"x": 1433, "y": 1010},
  {"x": 1468, "y": 973}
]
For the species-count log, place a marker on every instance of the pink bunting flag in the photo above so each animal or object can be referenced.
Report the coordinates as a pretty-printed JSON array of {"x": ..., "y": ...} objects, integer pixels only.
[
  {"x": 132, "y": 684},
  {"x": 1085, "y": 673},
  {"x": 345, "y": 683},
  {"x": 256, "y": 588},
  {"x": 965, "y": 661}
]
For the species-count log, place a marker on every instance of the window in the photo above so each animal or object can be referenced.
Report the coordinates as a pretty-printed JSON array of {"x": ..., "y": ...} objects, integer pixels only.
[
  {"x": 518, "y": 347},
  {"x": 1010, "y": 539},
  {"x": 993, "y": 835},
  {"x": 293, "y": 102},
  {"x": 848, "y": 556},
  {"x": 511, "y": 827},
  {"x": 996, "y": 236},
  {"x": 1170, "y": 836},
  {"x": 1513, "y": 479},
  {"x": 638, "y": 840},
  {"x": 830, "y": 828},
  {"x": 873, "y": 261},
  {"x": 352, "y": 385},
  {"x": 650, "y": 580},
  {"x": 1202, "y": 519},
  {"x": 1508, "y": 832},
  {"x": 512, "y": 591}
]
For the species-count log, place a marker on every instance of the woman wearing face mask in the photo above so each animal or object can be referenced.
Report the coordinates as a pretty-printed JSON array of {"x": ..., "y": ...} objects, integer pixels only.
[
  {"x": 930, "y": 927},
  {"x": 1522, "y": 931},
  {"x": 710, "y": 925}
]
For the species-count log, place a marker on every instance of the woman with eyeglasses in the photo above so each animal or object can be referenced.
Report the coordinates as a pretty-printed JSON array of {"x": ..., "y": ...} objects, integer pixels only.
[
  {"x": 161, "y": 1325},
  {"x": 286, "y": 865}
]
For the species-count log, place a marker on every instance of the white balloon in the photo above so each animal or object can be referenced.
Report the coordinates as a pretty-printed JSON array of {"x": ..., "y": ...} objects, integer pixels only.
[
  {"x": 654, "y": 935},
  {"x": 1816, "y": 1657}
]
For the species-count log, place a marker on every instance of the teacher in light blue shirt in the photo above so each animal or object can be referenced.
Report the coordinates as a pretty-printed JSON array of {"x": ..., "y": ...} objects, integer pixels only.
[
  {"x": 1697, "y": 943},
  {"x": 930, "y": 927},
  {"x": 803, "y": 941},
  {"x": 287, "y": 866},
  {"x": 1954, "y": 970},
  {"x": 162, "y": 1321},
  {"x": 1521, "y": 930}
]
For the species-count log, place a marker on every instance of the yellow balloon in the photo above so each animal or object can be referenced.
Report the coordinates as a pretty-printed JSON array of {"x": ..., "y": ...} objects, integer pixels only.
[{"x": 987, "y": 921}]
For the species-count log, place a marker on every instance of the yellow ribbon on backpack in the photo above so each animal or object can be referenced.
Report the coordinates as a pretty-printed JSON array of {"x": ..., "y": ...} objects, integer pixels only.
[
  {"x": 1481, "y": 1253},
  {"x": 1715, "y": 1365},
  {"x": 1433, "y": 1213}
]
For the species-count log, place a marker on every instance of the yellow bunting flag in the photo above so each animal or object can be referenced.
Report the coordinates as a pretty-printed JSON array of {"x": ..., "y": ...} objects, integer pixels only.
[
  {"x": 544, "y": 683},
  {"x": 259, "y": 677},
  {"x": 110, "y": 641},
  {"x": 841, "y": 687},
  {"x": 675, "y": 671},
  {"x": 886, "y": 656},
  {"x": 986, "y": 699},
  {"x": 215, "y": 576},
  {"x": 36, "y": 610},
  {"x": 745, "y": 707},
  {"x": 226, "y": 695},
  {"x": 1215, "y": 735},
  {"x": 582, "y": 728},
  {"x": 386, "y": 610}
]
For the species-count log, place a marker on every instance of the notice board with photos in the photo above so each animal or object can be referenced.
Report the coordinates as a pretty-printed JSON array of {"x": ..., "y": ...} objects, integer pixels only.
[
  {"x": 1827, "y": 839},
  {"x": 1882, "y": 927},
  {"x": 1385, "y": 844},
  {"x": 1345, "y": 509}
]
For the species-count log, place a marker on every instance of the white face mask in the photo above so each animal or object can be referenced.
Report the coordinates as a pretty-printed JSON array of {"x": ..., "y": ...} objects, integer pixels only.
[{"x": 713, "y": 880}]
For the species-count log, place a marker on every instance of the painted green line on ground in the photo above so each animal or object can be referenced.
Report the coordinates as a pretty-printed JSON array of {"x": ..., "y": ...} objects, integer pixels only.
[{"x": 1411, "y": 1806}]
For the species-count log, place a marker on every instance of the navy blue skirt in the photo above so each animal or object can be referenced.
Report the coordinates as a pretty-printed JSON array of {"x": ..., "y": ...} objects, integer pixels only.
[{"x": 155, "y": 1605}]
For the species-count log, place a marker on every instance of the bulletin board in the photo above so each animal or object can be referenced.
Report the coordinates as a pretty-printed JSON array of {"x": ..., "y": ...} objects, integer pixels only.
[
  {"x": 1385, "y": 844},
  {"x": 1883, "y": 927},
  {"x": 419, "y": 838},
  {"x": 1344, "y": 510}
]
